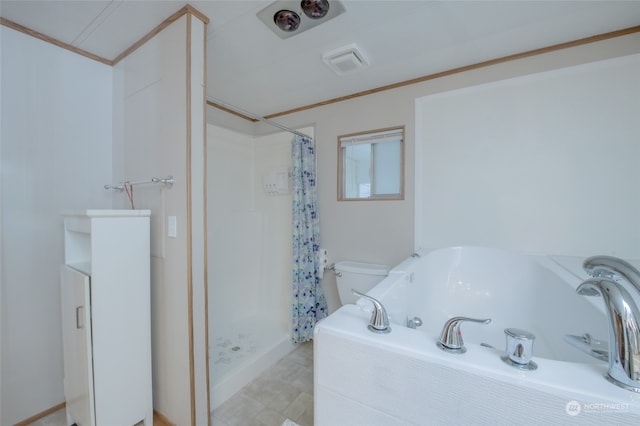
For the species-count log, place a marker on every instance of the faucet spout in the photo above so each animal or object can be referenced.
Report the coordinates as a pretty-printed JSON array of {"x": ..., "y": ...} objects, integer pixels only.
[
  {"x": 624, "y": 330},
  {"x": 612, "y": 268}
]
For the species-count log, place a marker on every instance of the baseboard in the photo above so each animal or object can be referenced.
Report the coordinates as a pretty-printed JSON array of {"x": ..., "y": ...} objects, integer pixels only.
[
  {"x": 159, "y": 419},
  {"x": 41, "y": 415}
]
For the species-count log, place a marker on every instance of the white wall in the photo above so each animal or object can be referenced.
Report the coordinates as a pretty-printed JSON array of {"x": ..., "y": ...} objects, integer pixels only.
[
  {"x": 544, "y": 163},
  {"x": 382, "y": 231},
  {"x": 70, "y": 125},
  {"x": 196, "y": 200},
  {"x": 1, "y": 238},
  {"x": 56, "y": 155},
  {"x": 232, "y": 225},
  {"x": 153, "y": 139},
  {"x": 249, "y": 232},
  {"x": 274, "y": 152}
]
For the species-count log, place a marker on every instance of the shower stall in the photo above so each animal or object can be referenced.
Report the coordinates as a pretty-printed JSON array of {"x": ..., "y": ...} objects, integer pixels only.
[{"x": 249, "y": 258}]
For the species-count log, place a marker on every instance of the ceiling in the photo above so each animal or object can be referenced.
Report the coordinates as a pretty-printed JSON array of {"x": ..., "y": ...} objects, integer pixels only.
[{"x": 249, "y": 66}]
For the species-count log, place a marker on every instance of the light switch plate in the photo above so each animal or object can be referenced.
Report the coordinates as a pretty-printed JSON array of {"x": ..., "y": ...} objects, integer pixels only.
[{"x": 172, "y": 227}]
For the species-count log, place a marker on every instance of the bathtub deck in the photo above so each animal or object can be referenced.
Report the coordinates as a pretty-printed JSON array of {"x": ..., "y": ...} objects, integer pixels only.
[{"x": 403, "y": 378}]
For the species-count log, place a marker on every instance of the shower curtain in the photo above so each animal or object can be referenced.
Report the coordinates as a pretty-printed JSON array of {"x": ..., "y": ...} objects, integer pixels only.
[{"x": 309, "y": 304}]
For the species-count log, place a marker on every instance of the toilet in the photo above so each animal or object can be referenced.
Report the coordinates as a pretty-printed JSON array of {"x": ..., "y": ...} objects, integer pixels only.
[{"x": 359, "y": 276}]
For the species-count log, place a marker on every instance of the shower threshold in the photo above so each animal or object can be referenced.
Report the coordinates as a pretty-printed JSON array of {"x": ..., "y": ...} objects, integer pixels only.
[{"x": 241, "y": 353}]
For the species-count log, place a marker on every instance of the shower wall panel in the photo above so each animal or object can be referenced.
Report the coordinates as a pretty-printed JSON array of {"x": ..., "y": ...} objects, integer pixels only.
[{"x": 249, "y": 263}]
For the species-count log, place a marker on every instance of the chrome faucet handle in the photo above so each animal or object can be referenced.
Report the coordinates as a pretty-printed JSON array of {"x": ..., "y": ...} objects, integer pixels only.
[
  {"x": 379, "y": 322},
  {"x": 519, "y": 348},
  {"x": 451, "y": 337}
]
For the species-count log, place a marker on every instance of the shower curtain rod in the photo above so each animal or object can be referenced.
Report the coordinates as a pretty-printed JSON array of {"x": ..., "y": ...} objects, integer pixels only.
[{"x": 255, "y": 117}]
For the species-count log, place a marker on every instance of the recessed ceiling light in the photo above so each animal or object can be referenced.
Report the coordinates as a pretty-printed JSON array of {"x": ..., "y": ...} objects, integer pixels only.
[
  {"x": 315, "y": 9},
  {"x": 287, "y": 20}
]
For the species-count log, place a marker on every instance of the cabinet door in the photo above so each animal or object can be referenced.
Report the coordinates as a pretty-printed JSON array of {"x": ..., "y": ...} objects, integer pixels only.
[{"x": 76, "y": 335}]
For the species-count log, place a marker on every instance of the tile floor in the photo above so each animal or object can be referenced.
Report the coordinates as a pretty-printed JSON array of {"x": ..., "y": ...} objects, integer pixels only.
[{"x": 284, "y": 391}]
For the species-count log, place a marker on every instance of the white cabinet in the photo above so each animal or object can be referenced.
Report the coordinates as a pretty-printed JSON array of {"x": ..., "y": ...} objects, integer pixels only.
[{"x": 106, "y": 317}]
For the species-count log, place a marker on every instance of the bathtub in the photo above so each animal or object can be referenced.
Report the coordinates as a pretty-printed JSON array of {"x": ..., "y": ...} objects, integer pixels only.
[{"x": 402, "y": 378}]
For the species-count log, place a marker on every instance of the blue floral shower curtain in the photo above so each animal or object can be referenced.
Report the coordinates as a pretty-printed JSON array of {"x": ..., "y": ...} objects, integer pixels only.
[{"x": 309, "y": 304}]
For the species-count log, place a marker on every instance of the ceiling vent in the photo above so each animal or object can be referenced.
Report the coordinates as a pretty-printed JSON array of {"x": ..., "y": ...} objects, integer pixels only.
[{"x": 345, "y": 60}]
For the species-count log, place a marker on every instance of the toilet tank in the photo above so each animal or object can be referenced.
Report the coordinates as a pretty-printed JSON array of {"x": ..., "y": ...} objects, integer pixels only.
[{"x": 359, "y": 276}]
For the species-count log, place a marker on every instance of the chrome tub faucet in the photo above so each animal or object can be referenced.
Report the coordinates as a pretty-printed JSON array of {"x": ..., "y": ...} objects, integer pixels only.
[
  {"x": 623, "y": 316},
  {"x": 612, "y": 268}
]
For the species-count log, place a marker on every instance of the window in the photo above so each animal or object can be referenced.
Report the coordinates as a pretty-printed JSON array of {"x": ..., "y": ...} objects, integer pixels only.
[{"x": 371, "y": 165}]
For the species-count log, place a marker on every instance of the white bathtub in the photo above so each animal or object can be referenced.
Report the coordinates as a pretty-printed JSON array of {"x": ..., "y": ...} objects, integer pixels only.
[{"x": 401, "y": 378}]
